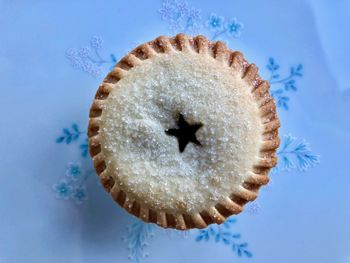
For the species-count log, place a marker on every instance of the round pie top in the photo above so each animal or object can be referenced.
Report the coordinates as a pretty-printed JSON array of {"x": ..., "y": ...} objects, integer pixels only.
[{"x": 179, "y": 132}]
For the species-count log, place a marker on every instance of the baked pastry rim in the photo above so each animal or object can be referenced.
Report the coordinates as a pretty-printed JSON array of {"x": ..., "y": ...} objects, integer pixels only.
[{"x": 232, "y": 204}]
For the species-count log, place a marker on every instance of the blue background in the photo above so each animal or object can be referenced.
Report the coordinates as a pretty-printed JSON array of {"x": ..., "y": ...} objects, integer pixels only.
[{"x": 301, "y": 217}]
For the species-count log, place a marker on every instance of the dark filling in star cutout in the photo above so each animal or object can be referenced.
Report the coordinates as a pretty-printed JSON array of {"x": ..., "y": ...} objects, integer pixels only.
[{"x": 185, "y": 133}]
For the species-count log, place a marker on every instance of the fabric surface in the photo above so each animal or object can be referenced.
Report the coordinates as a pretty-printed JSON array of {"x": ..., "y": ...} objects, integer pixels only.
[{"x": 54, "y": 54}]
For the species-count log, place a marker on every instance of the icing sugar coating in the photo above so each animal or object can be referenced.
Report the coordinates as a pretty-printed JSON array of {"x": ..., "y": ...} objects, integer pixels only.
[{"x": 146, "y": 163}]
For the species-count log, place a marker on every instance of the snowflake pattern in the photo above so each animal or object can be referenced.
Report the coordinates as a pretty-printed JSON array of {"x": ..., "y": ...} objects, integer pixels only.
[
  {"x": 215, "y": 23},
  {"x": 74, "y": 171},
  {"x": 219, "y": 27},
  {"x": 79, "y": 195},
  {"x": 183, "y": 18},
  {"x": 234, "y": 28},
  {"x": 281, "y": 86},
  {"x": 71, "y": 187},
  {"x": 63, "y": 190},
  {"x": 180, "y": 16},
  {"x": 88, "y": 59},
  {"x": 138, "y": 235},
  {"x": 253, "y": 208},
  {"x": 295, "y": 154},
  {"x": 223, "y": 234}
]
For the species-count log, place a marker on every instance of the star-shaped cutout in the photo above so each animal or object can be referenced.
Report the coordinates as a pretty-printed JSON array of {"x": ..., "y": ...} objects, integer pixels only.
[{"x": 185, "y": 133}]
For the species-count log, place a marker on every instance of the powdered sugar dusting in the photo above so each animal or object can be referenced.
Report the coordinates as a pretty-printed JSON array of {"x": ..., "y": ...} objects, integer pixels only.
[{"x": 146, "y": 162}]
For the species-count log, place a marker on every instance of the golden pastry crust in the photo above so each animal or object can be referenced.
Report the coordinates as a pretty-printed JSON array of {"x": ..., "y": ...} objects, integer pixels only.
[{"x": 258, "y": 176}]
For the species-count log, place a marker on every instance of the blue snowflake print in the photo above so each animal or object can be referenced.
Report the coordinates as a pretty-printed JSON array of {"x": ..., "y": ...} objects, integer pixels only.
[
  {"x": 295, "y": 154},
  {"x": 75, "y": 176},
  {"x": 180, "y": 16},
  {"x": 88, "y": 59},
  {"x": 173, "y": 12},
  {"x": 281, "y": 86},
  {"x": 80, "y": 60},
  {"x": 69, "y": 135},
  {"x": 63, "y": 190},
  {"x": 223, "y": 234},
  {"x": 74, "y": 171},
  {"x": 183, "y": 18},
  {"x": 215, "y": 23},
  {"x": 253, "y": 208},
  {"x": 192, "y": 20},
  {"x": 72, "y": 187},
  {"x": 79, "y": 195},
  {"x": 138, "y": 235},
  {"x": 96, "y": 42},
  {"x": 233, "y": 28}
]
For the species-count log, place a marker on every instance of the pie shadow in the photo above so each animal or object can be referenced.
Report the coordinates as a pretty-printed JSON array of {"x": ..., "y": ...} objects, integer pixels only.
[{"x": 103, "y": 222}]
